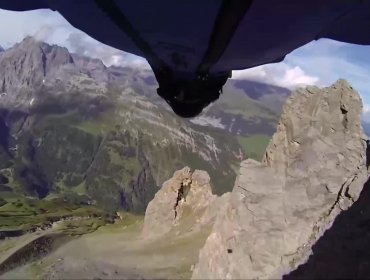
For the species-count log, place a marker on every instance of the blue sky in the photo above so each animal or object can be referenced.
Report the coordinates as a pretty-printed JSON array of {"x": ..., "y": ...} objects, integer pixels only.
[{"x": 320, "y": 62}]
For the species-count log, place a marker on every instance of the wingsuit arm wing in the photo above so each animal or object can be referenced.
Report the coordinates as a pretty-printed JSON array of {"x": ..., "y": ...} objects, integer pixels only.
[
  {"x": 353, "y": 27},
  {"x": 270, "y": 29},
  {"x": 22, "y": 5}
]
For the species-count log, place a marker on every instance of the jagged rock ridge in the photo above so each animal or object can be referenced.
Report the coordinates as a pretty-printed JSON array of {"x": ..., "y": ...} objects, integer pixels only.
[{"x": 314, "y": 168}]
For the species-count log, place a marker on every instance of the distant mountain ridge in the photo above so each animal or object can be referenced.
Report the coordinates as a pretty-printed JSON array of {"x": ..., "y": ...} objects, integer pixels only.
[{"x": 271, "y": 96}]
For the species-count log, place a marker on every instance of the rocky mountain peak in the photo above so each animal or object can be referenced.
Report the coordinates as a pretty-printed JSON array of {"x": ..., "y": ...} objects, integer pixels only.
[
  {"x": 314, "y": 168},
  {"x": 53, "y": 54},
  {"x": 1, "y": 49},
  {"x": 315, "y": 119},
  {"x": 26, "y": 64}
]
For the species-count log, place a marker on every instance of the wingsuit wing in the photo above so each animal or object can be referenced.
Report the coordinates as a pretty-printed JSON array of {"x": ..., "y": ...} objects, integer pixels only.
[
  {"x": 20, "y": 5},
  {"x": 179, "y": 32},
  {"x": 352, "y": 27},
  {"x": 273, "y": 28}
]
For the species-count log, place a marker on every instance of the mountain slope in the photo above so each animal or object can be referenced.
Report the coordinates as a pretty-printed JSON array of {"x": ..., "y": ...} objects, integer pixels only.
[
  {"x": 246, "y": 108},
  {"x": 270, "y": 96},
  {"x": 241, "y": 115}
]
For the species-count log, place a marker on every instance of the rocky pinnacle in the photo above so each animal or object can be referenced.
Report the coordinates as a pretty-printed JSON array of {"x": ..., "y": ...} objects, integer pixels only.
[{"x": 314, "y": 168}]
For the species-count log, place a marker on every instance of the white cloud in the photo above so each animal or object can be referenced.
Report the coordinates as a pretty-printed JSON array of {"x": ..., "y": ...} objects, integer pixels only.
[
  {"x": 44, "y": 33},
  {"x": 280, "y": 74},
  {"x": 128, "y": 60},
  {"x": 82, "y": 44},
  {"x": 366, "y": 112},
  {"x": 116, "y": 59},
  {"x": 295, "y": 76},
  {"x": 366, "y": 108},
  {"x": 254, "y": 74}
]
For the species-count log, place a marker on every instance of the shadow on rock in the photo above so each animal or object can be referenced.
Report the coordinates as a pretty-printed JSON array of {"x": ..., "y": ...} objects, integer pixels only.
[{"x": 343, "y": 252}]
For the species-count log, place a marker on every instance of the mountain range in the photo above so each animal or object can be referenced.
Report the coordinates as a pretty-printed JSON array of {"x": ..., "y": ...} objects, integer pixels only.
[{"x": 73, "y": 127}]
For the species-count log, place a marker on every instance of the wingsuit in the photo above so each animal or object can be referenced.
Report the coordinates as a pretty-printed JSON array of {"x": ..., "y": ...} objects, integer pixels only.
[{"x": 192, "y": 45}]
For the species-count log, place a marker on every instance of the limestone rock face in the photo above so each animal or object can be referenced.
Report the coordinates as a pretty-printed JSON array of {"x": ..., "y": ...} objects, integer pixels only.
[
  {"x": 27, "y": 64},
  {"x": 314, "y": 168},
  {"x": 183, "y": 204}
]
